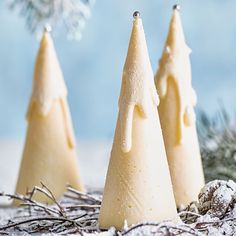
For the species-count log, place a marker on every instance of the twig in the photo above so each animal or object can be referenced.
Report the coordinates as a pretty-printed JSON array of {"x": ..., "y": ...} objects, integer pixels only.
[
  {"x": 51, "y": 196},
  {"x": 163, "y": 226},
  {"x": 80, "y": 216},
  {"x": 83, "y": 195},
  {"x": 28, "y": 201},
  {"x": 37, "y": 219}
]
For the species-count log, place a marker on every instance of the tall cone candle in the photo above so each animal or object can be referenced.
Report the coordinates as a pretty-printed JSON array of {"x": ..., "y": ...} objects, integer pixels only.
[
  {"x": 177, "y": 99},
  {"x": 49, "y": 154},
  {"x": 138, "y": 185}
]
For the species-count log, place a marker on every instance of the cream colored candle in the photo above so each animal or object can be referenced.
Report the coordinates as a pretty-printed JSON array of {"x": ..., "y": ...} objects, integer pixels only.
[
  {"x": 177, "y": 116},
  {"x": 49, "y": 154},
  {"x": 138, "y": 185}
]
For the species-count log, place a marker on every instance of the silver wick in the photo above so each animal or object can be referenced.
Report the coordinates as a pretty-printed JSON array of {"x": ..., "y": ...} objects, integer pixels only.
[
  {"x": 176, "y": 7},
  {"x": 47, "y": 28},
  {"x": 136, "y": 14}
]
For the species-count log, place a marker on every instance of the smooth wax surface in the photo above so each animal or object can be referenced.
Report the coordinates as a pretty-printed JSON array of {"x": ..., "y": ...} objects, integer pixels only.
[
  {"x": 49, "y": 154},
  {"x": 177, "y": 116},
  {"x": 138, "y": 186}
]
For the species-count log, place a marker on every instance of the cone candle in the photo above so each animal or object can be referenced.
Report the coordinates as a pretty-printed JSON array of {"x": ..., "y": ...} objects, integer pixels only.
[
  {"x": 138, "y": 185},
  {"x": 49, "y": 154},
  {"x": 177, "y": 99}
]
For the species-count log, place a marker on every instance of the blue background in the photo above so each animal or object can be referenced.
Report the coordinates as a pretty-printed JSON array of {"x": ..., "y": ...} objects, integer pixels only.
[{"x": 93, "y": 66}]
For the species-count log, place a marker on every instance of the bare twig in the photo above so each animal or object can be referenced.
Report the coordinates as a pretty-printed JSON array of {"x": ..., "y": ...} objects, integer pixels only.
[
  {"x": 71, "y": 216},
  {"x": 38, "y": 219},
  {"x": 80, "y": 215},
  {"x": 82, "y": 195}
]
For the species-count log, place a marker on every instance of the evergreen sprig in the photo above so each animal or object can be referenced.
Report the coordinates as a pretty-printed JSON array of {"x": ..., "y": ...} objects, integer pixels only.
[
  {"x": 217, "y": 137},
  {"x": 70, "y": 13}
]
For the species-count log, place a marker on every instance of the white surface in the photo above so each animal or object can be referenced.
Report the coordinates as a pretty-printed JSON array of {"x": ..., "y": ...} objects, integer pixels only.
[{"x": 93, "y": 161}]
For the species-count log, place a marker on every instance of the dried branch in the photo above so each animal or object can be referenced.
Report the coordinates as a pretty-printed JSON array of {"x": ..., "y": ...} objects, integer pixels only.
[
  {"x": 77, "y": 212},
  {"x": 38, "y": 219},
  {"x": 82, "y": 195},
  {"x": 28, "y": 201},
  {"x": 164, "y": 229},
  {"x": 60, "y": 217}
]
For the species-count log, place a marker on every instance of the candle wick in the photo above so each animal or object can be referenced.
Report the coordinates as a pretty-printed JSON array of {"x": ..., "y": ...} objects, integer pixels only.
[
  {"x": 176, "y": 7},
  {"x": 136, "y": 14},
  {"x": 47, "y": 28}
]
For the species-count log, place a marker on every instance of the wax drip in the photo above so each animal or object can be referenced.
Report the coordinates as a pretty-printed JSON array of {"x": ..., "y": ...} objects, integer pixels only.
[
  {"x": 68, "y": 123},
  {"x": 138, "y": 89},
  {"x": 175, "y": 65},
  {"x": 186, "y": 99},
  {"x": 49, "y": 86}
]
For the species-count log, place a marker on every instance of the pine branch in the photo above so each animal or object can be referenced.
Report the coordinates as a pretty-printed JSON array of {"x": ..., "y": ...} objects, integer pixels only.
[
  {"x": 70, "y": 13},
  {"x": 217, "y": 138}
]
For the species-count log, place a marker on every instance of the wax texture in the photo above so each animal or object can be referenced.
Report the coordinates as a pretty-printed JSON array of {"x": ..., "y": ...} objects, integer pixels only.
[
  {"x": 177, "y": 116},
  {"x": 138, "y": 185},
  {"x": 49, "y": 154}
]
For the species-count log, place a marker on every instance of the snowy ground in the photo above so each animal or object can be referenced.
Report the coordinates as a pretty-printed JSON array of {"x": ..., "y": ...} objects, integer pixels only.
[{"x": 93, "y": 160}]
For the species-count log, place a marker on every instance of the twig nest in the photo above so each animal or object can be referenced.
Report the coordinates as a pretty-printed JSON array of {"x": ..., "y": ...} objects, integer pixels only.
[{"x": 217, "y": 198}]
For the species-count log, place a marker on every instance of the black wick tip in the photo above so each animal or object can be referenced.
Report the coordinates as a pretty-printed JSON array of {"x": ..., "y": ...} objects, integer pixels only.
[
  {"x": 176, "y": 7},
  {"x": 47, "y": 28},
  {"x": 136, "y": 14}
]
